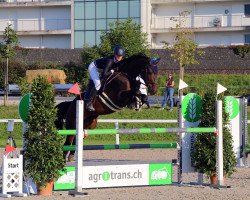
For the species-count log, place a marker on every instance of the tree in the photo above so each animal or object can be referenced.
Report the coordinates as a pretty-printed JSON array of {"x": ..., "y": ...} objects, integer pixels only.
[
  {"x": 7, "y": 50},
  {"x": 125, "y": 33},
  {"x": 184, "y": 47}
]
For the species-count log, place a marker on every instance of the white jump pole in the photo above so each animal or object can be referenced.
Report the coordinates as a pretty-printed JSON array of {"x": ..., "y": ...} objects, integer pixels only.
[
  {"x": 79, "y": 151},
  {"x": 219, "y": 144},
  {"x": 117, "y": 136}
]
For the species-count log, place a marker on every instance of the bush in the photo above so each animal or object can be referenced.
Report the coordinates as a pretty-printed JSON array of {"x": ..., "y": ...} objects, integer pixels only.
[
  {"x": 204, "y": 154},
  {"x": 43, "y": 151}
]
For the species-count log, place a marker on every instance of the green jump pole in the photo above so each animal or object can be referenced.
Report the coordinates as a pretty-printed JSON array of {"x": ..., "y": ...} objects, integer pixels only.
[
  {"x": 123, "y": 146},
  {"x": 140, "y": 131}
]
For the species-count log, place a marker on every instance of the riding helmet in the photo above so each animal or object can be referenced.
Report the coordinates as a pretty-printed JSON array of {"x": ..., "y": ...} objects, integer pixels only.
[
  {"x": 154, "y": 61},
  {"x": 119, "y": 50}
]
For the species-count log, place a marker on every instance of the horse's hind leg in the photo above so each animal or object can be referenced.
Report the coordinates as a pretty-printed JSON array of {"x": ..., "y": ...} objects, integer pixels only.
[
  {"x": 72, "y": 153},
  {"x": 69, "y": 141}
]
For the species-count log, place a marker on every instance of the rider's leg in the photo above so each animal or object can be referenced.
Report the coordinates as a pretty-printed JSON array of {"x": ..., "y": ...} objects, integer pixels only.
[
  {"x": 93, "y": 86},
  {"x": 89, "y": 96}
]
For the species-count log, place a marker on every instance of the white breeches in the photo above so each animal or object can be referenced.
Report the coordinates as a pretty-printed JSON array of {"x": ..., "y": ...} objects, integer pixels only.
[{"x": 94, "y": 75}]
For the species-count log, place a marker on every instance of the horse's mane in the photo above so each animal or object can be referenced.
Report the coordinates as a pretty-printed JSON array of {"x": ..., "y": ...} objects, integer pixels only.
[{"x": 131, "y": 63}]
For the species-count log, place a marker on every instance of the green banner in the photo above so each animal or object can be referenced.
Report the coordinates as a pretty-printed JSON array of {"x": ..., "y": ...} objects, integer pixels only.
[
  {"x": 67, "y": 179},
  {"x": 160, "y": 174}
]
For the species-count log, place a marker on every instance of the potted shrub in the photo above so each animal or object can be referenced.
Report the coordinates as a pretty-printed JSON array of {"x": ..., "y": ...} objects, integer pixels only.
[
  {"x": 204, "y": 154},
  {"x": 216, "y": 22},
  {"x": 43, "y": 152}
]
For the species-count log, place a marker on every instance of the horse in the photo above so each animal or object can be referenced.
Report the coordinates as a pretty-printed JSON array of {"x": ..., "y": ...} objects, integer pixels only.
[{"x": 118, "y": 91}]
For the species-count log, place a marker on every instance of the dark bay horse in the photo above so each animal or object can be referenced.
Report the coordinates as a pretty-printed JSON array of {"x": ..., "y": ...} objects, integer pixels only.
[{"x": 118, "y": 91}]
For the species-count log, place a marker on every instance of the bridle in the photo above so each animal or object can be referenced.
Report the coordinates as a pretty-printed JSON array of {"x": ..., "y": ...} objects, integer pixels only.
[{"x": 147, "y": 82}]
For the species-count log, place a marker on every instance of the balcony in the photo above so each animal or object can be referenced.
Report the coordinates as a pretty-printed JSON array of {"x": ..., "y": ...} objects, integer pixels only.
[
  {"x": 202, "y": 23},
  {"x": 184, "y": 1},
  {"x": 50, "y": 26},
  {"x": 33, "y": 3}
]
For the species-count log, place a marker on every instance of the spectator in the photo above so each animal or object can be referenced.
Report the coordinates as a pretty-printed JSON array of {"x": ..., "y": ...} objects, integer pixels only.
[{"x": 169, "y": 92}]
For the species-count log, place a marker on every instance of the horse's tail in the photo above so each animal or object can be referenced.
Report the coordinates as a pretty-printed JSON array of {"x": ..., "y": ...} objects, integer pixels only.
[{"x": 62, "y": 109}]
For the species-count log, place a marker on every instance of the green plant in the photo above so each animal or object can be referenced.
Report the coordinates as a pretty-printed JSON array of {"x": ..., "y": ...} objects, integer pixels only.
[
  {"x": 204, "y": 154},
  {"x": 241, "y": 50},
  {"x": 43, "y": 150},
  {"x": 23, "y": 85}
]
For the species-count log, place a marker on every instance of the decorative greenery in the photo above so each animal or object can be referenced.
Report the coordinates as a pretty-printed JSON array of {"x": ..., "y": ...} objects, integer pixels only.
[
  {"x": 204, "y": 154},
  {"x": 43, "y": 152}
]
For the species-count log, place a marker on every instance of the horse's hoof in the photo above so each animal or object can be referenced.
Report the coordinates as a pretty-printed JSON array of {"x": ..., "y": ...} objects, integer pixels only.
[{"x": 71, "y": 158}]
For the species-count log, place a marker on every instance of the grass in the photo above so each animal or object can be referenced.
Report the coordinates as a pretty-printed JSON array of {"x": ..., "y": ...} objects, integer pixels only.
[{"x": 11, "y": 112}]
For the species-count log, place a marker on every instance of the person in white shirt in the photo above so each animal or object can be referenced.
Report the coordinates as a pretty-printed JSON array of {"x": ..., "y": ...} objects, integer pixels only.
[{"x": 143, "y": 91}]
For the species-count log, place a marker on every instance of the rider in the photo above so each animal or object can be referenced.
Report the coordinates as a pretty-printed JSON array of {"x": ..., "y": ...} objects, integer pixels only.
[{"x": 106, "y": 64}]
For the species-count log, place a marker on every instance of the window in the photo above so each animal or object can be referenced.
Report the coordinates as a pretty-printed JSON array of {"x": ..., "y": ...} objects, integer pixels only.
[
  {"x": 79, "y": 39},
  {"x": 101, "y": 24},
  {"x": 90, "y": 38},
  {"x": 247, "y": 39},
  {"x": 90, "y": 10},
  {"x": 134, "y": 9},
  {"x": 123, "y": 9},
  {"x": 100, "y": 9},
  {"x": 94, "y": 16},
  {"x": 247, "y": 10},
  {"x": 79, "y": 10},
  {"x": 112, "y": 9},
  {"x": 79, "y": 24},
  {"x": 90, "y": 24}
]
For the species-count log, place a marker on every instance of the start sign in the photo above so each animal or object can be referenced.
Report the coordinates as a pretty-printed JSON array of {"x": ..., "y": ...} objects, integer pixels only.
[{"x": 24, "y": 107}]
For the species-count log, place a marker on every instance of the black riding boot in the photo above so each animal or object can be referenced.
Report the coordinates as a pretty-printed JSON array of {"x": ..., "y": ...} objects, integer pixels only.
[{"x": 89, "y": 97}]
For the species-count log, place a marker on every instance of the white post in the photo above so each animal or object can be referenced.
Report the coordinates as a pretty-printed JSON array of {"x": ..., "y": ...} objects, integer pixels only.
[
  {"x": 79, "y": 145},
  {"x": 117, "y": 136},
  {"x": 219, "y": 144}
]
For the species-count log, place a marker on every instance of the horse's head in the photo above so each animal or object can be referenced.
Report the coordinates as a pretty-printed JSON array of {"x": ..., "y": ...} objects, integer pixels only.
[{"x": 139, "y": 65}]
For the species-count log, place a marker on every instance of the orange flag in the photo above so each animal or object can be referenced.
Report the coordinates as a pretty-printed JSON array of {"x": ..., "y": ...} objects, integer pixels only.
[
  {"x": 9, "y": 149},
  {"x": 75, "y": 89}
]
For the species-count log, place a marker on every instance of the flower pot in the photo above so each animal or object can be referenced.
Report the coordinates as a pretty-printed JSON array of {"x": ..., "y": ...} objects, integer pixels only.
[
  {"x": 213, "y": 180},
  {"x": 46, "y": 190}
]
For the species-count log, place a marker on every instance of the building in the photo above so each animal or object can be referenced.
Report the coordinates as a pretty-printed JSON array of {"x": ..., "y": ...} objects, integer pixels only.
[
  {"x": 214, "y": 22},
  {"x": 91, "y": 17},
  {"x": 38, "y": 23},
  {"x": 73, "y": 23}
]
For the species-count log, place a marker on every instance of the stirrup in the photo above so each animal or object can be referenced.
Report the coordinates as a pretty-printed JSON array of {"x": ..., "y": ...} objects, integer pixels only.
[{"x": 90, "y": 107}]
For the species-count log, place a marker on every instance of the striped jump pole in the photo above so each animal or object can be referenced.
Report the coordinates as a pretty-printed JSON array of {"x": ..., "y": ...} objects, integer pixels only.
[
  {"x": 123, "y": 146},
  {"x": 140, "y": 131}
]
